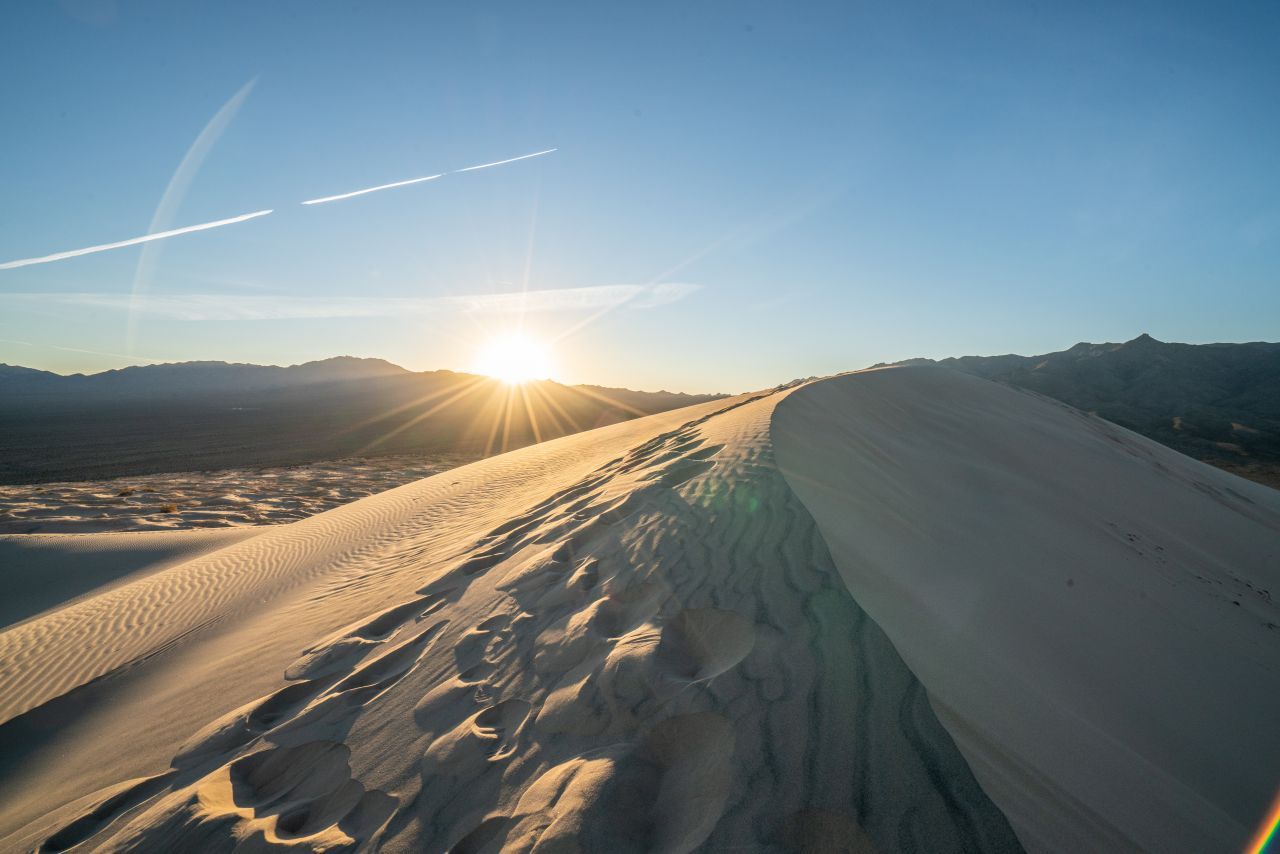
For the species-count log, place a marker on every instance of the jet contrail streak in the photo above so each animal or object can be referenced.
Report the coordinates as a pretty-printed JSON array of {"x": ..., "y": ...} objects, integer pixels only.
[
  {"x": 341, "y": 196},
  {"x": 78, "y": 350},
  {"x": 171, "y": 200},
  {"x": 133, "y": 241},
  {"x": 160, "y": 235},
  {"x": 500, "y": 162}
]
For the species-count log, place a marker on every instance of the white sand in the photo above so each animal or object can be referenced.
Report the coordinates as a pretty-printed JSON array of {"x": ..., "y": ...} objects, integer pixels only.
[
  {"x": 1094, "y": 615},
  {"x": 628, "y": 639}
]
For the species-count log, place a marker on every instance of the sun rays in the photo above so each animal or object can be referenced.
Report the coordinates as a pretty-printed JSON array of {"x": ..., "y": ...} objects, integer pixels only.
[
  {"x": 484, "y": 415},
  {"x": 515, "y": 358}
]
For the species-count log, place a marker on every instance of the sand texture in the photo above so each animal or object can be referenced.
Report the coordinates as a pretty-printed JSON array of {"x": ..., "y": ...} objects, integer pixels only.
[
  {"x": 42, "y": 572},
  {"x": 207, "y": 499},
  {"x": 1094, "y": 616},
  {"x": 638, "y": 638}
]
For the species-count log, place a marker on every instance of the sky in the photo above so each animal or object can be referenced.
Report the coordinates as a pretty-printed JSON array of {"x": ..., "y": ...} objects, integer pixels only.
[{"x": 733, "y": 195}]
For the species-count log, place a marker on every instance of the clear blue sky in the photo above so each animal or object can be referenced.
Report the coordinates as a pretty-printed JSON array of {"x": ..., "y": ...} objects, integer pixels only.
[{"x": 822, "y": 186}]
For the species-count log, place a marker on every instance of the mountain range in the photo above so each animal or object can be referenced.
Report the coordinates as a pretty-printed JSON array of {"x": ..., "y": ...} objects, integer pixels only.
[
  {"x": 1219, "y": 403},
  {"x": 207, "y": 415}
]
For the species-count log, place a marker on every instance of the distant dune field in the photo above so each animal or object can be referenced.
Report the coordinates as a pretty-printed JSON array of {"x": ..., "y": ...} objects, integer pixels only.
[
  {"x": 904, "y": 609},
  {"x": 207, "y": 499}
]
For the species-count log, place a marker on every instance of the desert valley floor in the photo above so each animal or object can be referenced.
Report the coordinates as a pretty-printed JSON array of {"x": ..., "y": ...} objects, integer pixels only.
[{"x": 896, "y": 610}]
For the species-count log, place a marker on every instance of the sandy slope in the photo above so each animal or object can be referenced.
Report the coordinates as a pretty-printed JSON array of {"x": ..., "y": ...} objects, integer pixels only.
[
  {"x": 636, "y": 639},
  {"x": 43, "y": 571},
  {"x": 1094, "y": 616},
  {"x": 630, "y": 639}
]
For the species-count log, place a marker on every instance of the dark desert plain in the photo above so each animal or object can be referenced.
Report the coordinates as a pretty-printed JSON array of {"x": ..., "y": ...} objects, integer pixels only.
[{"x": 816, "y": 428}]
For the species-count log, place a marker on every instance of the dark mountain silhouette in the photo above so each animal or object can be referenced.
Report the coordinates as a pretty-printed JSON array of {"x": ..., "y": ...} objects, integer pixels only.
[
  {"x": 207, "y": 415},
  {"x": 187, "y": 378},
  {"x": 1219, "y": 403}
]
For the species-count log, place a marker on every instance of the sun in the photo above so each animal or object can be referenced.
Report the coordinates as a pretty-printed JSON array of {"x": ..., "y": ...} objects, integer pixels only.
[{"x": 515, "y": 358}]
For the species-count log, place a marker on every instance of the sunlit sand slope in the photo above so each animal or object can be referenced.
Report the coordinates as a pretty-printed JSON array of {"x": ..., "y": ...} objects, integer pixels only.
[
  {"x": 632, "y": 639},
  {"x": 1094, "y": 616},
  {"x": 39, "y": 572}
]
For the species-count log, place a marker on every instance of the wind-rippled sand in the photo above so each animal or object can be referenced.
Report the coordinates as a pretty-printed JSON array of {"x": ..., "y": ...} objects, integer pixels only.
[
  {"x": 207, "y": 499},
  {"x": 683, "y": 633}
]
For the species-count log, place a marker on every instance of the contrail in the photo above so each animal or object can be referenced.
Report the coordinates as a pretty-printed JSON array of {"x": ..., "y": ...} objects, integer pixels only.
[
  {"x": 500, "y": 162},
  {"x": 133, "y": 241},
  {"x": 79, "y": 350},
  {"x": 174, "y": 193},
  {"x": 182, "y": 178},
  {"x": 341, "y": 196}
]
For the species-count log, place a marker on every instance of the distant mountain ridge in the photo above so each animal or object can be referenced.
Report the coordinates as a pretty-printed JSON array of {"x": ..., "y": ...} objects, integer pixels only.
[
  {"x": 192, "y": 377},
  {"x": 1219, "y": 403},
  {"x": 206, "y": 415},
  {"x": 188, "y": 378}
]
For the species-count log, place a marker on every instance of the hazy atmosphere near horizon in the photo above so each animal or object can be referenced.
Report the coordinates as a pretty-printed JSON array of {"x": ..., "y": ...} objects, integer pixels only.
[
  {"x": 644, "y": 428},
  {"x": 834, "y": 184}
]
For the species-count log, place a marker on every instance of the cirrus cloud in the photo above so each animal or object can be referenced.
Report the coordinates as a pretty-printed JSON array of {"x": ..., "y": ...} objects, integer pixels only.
[{"x": 212, "y": 307}]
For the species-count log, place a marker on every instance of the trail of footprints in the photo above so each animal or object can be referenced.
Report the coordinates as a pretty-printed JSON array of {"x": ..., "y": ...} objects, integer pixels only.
[{"x": 570, "y": 653}]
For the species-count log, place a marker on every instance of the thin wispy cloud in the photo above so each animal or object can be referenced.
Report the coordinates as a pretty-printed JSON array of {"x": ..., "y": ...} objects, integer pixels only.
[
  {"x": 354, "y": 193},
  {"x": 133, "y": 241},
  {"x": 212, "y": 307}
]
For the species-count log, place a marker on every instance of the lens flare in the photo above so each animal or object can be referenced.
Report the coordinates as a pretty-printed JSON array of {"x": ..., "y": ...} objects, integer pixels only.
[
  {"x": 515, "y": 358},
  {"x": 1264, "y": 842}
]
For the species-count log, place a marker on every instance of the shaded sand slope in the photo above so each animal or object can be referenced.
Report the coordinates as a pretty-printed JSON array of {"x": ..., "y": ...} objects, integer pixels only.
[
  {"x": 1092, "y": 614},
  {"x": 42, "y": 571},
  {"x": 633, "y": 639}
]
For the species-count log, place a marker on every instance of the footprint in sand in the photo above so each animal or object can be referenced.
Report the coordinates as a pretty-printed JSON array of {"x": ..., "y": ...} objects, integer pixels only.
[
  {"x": 343, "y": 649},
  {"x": 569, "y": 641},
  {"x": 388, "y": 669},
  {"x": 664, "y": 795},
  {"x": 681, "y": 471},
  {"x": 296, "y": 793},
  {"x": 644, "y": 669},
  {"x": 104, "y": 813},
  {"x": 478, "y": 644},
  {"x": 241, "y": 726},
  {"x": 463, "y": 753},
  {"x": 300, "y": 795}
]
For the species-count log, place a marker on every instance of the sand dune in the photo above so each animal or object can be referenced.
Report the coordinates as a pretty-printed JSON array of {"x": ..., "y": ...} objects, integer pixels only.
[
  {"x": 1093, "y": 615},
  {"x": 637, "y": 639}
]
